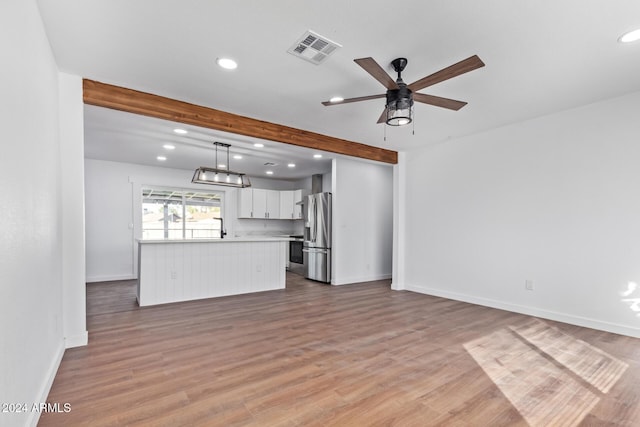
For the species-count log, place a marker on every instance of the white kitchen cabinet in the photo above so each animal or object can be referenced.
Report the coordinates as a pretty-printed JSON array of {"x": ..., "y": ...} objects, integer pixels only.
[
  {"x": 258, "y": 203},
  {"x": 297, "y": 209},
  {"x": 288, "y": 207},
  {"x": 245, "y": 203},
  {"x": 273, "y": 204}
]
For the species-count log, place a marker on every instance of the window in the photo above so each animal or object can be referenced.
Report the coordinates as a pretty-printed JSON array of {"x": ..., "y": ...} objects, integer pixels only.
[{"x": 180, "y": 214}]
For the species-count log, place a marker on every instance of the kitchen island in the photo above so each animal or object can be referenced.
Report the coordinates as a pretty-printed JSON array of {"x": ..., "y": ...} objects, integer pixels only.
[{"x": 183, "y": 270}]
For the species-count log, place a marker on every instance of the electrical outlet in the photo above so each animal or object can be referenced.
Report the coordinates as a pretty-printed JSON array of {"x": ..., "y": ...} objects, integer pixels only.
[{"x": 528, "y": 285}]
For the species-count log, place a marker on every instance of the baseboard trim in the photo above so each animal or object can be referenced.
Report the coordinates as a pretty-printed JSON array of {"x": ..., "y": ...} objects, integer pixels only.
[
  {"x": 34, "y": 416},
  {"x": 362, "y": 279},
  {"x": 397, "y": 285},
  {"x": 530, "y": 311},
  {"x": 93, "y": 279},
  {"x": 79, "y": 340}
]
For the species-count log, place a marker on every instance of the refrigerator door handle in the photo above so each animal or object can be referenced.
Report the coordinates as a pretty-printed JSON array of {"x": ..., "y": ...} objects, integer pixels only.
[
  {"x": 312, "y": 219},
  {"x": 315, "y": 223}
]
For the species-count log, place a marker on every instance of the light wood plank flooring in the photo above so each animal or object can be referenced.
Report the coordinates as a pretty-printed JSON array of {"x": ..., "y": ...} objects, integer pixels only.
[{"x": 356, "y": 355}]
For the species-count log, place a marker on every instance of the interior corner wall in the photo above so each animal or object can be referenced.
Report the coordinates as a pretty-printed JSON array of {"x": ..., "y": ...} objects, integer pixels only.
[
  {"x": 32, "y": 339},
  {"x": 362, "y": 221},
  {"x": 553, "y": 201}
]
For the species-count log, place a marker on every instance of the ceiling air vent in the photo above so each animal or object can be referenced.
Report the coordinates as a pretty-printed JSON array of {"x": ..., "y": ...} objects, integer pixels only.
[{"x": 313, "y": 47}]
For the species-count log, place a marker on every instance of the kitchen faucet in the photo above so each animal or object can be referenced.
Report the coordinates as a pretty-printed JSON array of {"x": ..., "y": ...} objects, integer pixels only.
[{"x": 222, "y": 232}]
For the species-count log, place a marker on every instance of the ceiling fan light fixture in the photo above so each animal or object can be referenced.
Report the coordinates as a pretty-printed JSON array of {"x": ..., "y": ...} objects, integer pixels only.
[
  {"x": 207, "y": 175},
  {"x": 399, "y": 106}
]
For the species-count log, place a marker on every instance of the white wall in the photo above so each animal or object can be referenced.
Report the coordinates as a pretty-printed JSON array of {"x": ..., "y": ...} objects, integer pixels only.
[
  {"x": 113, "y": 213},
  {"x": 32, "y": 340},
  {"x": 554, "y": 200},
  {"x": 72, "y": 184},
  {"x": 362, "y": 221},
  {"x": 109, "y": 221},
  {"x": 399, "y": 222}
]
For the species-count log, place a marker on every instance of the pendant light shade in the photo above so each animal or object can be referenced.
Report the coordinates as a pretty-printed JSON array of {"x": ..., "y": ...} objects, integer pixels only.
[{"x": 217, "y": 176}]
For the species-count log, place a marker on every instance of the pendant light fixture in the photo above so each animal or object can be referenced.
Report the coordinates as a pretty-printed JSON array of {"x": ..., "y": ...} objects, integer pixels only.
[{"x": 217, "y": 176}]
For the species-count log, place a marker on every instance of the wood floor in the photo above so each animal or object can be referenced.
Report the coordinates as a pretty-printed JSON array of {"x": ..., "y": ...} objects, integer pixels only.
[{"x": 356, "y": 355}]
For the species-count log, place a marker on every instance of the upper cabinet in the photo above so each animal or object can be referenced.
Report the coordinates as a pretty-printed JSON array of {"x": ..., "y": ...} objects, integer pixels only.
[
  {"x": 272, "y": 207},
  {"x": 269, "y": 204},
  {"x": 297, "y": 209},
  {"x": 245, "y": 203},
  {"x": 258, "y": 203},
  {"x": 288, "y": 207}
]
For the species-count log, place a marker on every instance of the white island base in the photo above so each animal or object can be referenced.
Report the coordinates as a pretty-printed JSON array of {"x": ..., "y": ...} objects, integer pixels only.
[{"x": 183, "y": 270}]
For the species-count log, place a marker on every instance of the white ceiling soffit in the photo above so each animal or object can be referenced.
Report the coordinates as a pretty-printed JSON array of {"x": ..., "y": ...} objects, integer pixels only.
[{"x": 313, "y": 47}]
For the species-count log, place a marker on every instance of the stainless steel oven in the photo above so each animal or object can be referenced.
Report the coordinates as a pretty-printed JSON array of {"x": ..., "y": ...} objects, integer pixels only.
[{"x": 295, "y": 250}]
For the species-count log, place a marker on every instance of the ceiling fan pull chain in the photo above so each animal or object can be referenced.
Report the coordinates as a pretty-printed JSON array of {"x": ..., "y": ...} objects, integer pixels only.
[
  {"x": 385, "y": 132},
  {"x": 413, "y": 124}
]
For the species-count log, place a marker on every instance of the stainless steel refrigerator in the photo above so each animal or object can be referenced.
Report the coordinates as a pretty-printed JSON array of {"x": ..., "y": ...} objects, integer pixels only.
[{"x": 316, "y": 248}]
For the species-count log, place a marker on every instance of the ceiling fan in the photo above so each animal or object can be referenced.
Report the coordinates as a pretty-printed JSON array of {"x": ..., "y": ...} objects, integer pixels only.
[{"x": 401, "y": 96}]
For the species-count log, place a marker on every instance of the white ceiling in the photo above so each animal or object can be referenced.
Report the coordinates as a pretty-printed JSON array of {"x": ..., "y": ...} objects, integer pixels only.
[
  {"x": 123, "y": 137},
  {"x": 541, "y": 57}
]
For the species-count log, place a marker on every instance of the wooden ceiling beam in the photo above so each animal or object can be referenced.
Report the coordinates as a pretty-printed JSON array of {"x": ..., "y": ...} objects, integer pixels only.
[{"x": 146, "y": 104}]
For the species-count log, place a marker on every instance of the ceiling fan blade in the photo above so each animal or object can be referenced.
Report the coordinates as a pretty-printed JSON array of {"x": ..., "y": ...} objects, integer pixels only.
[
  {"x": 451, "y": 104},
  {"x": 383, "y": 116},
  {"x": 376, "y": 71},
  {"x": 348, "y": 100},
  {"x": 451, "y": 71}
]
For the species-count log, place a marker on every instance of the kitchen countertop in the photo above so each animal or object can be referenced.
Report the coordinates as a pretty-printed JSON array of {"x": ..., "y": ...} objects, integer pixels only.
[{"x": 225, "y": 240}]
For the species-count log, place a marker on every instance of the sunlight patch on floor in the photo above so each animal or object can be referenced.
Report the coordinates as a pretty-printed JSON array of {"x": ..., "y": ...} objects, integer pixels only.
[
  {"x": 550, "y": 377},
  {"x": 588, "y": 362}
]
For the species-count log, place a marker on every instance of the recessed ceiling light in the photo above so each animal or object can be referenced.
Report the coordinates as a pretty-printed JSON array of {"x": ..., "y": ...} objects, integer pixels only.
[
  {"x": 269, "y": 172},
  {"x": 317, "y": 156},
  {"x": 227, "y": 63},
  {"x": 631, "y": 36},
  {"x": 222, "y": 166},
  {"x": 161, "y": 158},
  {"x": 336, "y": 99},
  {"x": 237, "y": 156},
  {"x": 258, "y": 145},
  {"x": 291, "y": 165},
  {"x": 180, "y": 131},
  {"x": 169, "y": 147}
]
